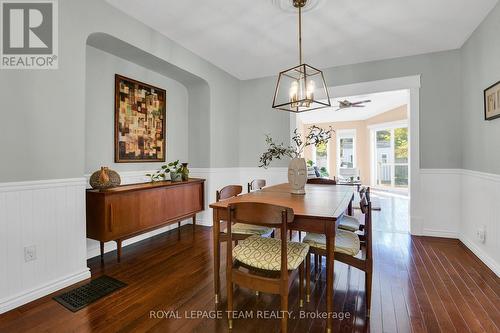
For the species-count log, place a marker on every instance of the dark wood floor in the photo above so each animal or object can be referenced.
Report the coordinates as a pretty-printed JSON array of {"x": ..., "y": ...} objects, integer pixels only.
[{"x": 420, "y": 284}]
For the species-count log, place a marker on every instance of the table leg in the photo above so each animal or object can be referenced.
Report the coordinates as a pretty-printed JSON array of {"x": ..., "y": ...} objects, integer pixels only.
[
  {"x": 102, "y": 251},
  {"x": 330, "y": 246},
  {"x": 118, "y": 250},
  {"x": 215, "y": 229}
]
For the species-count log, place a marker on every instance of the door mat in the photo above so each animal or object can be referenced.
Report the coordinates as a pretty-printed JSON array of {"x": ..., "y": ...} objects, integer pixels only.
[{"x": 80, "y": 297}]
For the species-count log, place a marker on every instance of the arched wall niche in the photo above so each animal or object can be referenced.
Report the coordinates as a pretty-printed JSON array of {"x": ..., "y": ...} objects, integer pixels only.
[{"x": 188, "y": 103}]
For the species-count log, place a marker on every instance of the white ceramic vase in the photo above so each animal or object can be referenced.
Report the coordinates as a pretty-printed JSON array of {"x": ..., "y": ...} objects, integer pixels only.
[{"x": 297, "y": 175}]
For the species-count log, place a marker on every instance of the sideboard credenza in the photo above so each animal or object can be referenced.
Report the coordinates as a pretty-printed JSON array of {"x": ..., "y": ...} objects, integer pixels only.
[{"x": 129, "y": 210}]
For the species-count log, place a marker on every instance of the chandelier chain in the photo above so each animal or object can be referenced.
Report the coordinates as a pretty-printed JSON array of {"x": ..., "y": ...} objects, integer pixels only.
[{"x": 300, "y": 34}]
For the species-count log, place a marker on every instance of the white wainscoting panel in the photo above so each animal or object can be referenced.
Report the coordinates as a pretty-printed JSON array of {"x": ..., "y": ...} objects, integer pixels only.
[
  {"x": 440, "y": 196},
  {"x": 480, "y": 209},
  {"x": 49, "y": 215}
]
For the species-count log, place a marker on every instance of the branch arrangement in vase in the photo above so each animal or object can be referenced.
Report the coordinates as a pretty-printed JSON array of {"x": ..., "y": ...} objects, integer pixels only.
[{"x": 316, "y": 136}]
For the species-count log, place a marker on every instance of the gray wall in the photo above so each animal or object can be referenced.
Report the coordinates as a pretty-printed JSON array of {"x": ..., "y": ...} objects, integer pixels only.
[
  {"x": 99, "y": 116},
  {"x": 440, "y": 106},
  {"x": 480, "y": 69},
  {"x": 42, "y": 127}
]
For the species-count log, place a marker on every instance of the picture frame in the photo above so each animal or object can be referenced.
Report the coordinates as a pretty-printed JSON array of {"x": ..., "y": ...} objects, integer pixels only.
[
  {"x": 492, "y": 102},
  {"x": 140, "y": 131}
]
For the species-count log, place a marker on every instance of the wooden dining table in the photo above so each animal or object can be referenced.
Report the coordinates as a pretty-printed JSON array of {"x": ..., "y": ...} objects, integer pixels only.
[{"x": 318, "y": 211}]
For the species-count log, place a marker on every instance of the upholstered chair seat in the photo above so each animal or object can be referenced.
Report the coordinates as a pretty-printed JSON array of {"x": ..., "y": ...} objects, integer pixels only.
[
  {"x": 248, "y": 229},
  {"x": 349, "y": 223},
  {"x": 345, "y": 242},
  {"x": 265, "y": 253}
]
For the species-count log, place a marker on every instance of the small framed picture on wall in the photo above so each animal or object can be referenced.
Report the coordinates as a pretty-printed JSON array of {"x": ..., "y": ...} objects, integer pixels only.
[{"x": 492, "y": 102}]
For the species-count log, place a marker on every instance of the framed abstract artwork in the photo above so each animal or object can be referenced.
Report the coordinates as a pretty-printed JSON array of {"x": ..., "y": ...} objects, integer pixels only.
[
  {"x": 492, "y": 102},
  {"x": 140, "y": 121}
]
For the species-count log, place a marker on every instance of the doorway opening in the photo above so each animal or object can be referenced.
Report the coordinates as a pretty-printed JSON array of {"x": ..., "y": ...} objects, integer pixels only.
[{"x": 371, "y": 146}]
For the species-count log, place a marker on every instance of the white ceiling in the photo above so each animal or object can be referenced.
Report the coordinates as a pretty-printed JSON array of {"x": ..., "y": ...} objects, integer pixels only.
[
  {"x": 380, "y": 103},
  {"x": 256, "y": 38}
]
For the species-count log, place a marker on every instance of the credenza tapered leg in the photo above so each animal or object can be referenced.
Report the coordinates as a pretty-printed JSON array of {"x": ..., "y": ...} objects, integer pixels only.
[
  {"x": 102, "y": 251},
  {"x": 194, "y": 223},
  {"x": 118, "y": 249}
]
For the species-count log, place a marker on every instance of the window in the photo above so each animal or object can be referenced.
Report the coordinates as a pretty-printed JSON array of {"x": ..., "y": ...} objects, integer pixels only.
[
  {"x": 346, "y": 149},
  {"x": 320, "y": 158},
  {"x": 390, "y": 150}
]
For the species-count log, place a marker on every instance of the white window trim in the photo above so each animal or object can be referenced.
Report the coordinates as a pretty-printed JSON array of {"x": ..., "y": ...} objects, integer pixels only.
[
  {"x": 347, "y": 133},
  {"x": 389, "y": 125}
]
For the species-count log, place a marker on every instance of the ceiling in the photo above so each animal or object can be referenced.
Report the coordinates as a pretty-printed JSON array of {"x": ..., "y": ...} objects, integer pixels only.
[
  {"x": 380, "y": 103},
  {"x": 258, "y": 38}
]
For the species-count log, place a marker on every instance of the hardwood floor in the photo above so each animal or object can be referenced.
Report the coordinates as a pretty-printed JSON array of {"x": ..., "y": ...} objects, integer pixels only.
[{"x": 420, "y": 284}]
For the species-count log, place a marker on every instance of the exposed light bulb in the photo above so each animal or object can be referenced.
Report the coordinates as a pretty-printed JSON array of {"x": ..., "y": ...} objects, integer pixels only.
[
  {"x": 294, "y": 87},
  {"x": 311, "y": 86}
]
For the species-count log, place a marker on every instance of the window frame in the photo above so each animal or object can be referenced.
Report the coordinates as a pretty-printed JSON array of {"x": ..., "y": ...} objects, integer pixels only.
[{"x": 347, "y": 134}]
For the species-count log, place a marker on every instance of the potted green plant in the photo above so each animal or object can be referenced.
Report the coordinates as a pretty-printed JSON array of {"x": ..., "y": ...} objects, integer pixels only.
[{"x": 172, "y": 168}]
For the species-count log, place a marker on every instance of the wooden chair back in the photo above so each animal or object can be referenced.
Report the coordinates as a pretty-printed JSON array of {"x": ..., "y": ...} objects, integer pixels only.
[
  {"x": 366, "y": 208},
  {"x": 228, "y": 192},
  {"x": 258, "y": 213},
  {"x": 322, "y": 181},
  {"x": 256, "y": 184}
]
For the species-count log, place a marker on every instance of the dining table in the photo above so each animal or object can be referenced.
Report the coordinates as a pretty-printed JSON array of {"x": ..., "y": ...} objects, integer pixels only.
[{"x": 318, "y": 211}]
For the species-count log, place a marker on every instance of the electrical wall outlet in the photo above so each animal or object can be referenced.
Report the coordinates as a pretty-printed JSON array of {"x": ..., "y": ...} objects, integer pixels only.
[
  {"x": 481, "y": 234},
  {"x": 30, "y": 253}
]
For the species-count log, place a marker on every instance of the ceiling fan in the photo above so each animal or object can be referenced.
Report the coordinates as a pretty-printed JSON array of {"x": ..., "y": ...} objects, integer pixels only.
[{"x": 345, "y": 104}]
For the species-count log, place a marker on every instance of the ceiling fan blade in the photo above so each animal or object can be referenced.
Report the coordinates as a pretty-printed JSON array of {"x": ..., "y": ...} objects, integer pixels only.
[
  {"x": 361, "y": 102},
  {"x": 358, "y": 106}
]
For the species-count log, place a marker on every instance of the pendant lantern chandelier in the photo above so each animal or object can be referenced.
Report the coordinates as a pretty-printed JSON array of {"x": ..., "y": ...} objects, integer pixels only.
[{"x": 301, "y": 88}]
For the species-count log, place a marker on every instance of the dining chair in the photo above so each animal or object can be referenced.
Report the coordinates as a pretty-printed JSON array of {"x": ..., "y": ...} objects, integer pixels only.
[
  {"x": 348, "y": 221},
  {"x": 256, "y": 184},
  {"x": 240, "y": 230},
  {"x": 266, "y": 265},
  {"x": 351, "y": 223},
  {"x": 348, "y": 249}
]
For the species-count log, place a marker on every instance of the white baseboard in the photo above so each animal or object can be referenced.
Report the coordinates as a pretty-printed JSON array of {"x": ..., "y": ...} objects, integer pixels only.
[
  {"x": 482, "y": 255},
  {"x": 33, "y": 294},
  {"x": 439, "y": 233}
]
